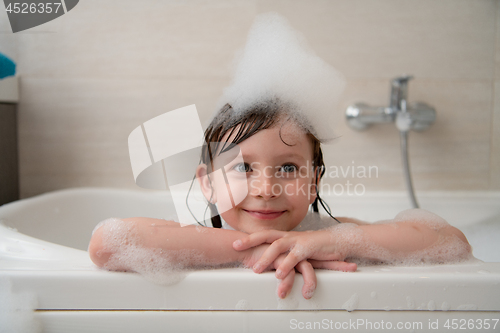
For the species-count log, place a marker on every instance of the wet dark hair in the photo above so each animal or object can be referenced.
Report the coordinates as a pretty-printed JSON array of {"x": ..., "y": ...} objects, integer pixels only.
[{"x": 246, "y": 124}]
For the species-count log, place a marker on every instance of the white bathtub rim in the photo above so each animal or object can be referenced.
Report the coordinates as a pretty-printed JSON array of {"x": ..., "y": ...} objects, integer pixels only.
[{"x": 460, "y": 287}]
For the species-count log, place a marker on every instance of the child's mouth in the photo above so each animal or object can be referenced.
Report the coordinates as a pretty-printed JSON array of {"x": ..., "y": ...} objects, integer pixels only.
[{"x": 265, "y": 214}]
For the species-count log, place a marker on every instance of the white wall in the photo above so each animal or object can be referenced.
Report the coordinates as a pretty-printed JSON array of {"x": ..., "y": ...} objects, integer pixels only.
[{"x": 91, "y": 76}]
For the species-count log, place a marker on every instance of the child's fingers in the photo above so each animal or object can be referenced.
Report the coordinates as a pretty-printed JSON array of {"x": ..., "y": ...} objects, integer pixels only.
[
  {"x": 292, "y": 259},
  {"x": 286, "y": 284},
  {"x": 310, "y": 282},
  {"x": 270, "y": 255},
  {"x": 334, "y": 265},
  {"x": 257, "y": 238}
]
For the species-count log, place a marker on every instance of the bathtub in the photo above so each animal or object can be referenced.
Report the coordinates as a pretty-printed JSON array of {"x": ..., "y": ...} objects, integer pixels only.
[{"x": 43, "y": 242}]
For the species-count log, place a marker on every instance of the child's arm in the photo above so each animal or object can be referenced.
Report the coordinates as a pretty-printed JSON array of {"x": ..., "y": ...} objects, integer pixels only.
[
  {"x": 392, "y": 241},
  {"x": 212, "y": 247}
]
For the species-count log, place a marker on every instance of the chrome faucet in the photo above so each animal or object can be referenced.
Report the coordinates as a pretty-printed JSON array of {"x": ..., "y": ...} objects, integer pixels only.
[
  {"x": 399, "y": 92},
  {"x": 419, "y": 116}
]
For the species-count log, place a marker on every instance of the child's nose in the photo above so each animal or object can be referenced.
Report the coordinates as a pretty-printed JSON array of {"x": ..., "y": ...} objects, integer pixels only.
[{"x": 265, "y": 187}]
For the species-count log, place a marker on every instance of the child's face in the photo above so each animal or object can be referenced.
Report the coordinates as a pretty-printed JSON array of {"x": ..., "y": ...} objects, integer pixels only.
[{"x": 276, "y": 179}]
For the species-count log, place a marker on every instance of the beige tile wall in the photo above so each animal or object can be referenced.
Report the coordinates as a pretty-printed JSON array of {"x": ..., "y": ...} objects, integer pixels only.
[
  {"x": 495, "y": 123},
  {"x": 93, "y": 75}
]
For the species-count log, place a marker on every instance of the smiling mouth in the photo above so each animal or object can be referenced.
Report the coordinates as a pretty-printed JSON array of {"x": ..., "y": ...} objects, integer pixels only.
[{"x": 265, "y": 215}]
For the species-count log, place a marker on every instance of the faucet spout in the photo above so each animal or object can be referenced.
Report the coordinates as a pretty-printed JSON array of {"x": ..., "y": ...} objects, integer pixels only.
[{"x": 399, "y": 93}]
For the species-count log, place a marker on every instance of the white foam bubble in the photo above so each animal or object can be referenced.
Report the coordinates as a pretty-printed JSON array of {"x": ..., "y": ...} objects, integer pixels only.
[
  {"x": 448, "y": 248},
  {"x": 277, "y": 63},
  {"x": 352, "y": 303},
  {"x": 346, "y": 235},
  {"x": 157, "y": 265},
  {"x": 445, "y": 306},
  {"x": 467, "y": 307},
  {"x": 288, "y": 303},
  {"x": 421, "y": 216},
  {"x": 410, "y": 302},
  {"x": 309, "y": 293},
  {"x": 201, "y": 229},
  {"x": 242, "y": 304},
  {"x": 109, "y": 220}
]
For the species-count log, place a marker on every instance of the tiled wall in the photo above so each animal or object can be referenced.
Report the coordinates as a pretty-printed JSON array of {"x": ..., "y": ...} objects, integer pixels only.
[{"x": 93, "y": 75}]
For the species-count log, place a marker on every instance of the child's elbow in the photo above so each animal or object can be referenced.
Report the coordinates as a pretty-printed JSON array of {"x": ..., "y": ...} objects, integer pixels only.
[
  {"x": 462, "y": 237},
  {"x": 97, "y": 252},
  {"x": 463, "y": 250}
]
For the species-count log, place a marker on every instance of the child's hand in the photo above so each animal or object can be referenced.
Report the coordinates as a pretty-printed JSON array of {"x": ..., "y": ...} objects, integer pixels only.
[
  {"x": 316, "y": 245},
  {"x": 286, "y": 284}
]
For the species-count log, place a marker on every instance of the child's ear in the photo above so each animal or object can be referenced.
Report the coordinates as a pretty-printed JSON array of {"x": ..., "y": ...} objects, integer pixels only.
[{"x": 205, "y": 184}]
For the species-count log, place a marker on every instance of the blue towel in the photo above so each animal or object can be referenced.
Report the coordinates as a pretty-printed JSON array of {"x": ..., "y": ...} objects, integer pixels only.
[{"x": 7, "y": 66}]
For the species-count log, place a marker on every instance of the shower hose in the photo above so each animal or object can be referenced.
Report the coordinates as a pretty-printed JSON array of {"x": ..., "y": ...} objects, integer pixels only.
[{"x": 406, "y": 168}]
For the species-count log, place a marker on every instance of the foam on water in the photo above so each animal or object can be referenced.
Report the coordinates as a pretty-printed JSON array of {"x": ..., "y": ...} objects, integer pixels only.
[{"x": 277, "y": 64}]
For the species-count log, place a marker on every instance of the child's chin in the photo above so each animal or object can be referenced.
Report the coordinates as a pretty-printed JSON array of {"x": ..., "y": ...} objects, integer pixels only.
[{"x": 271, "y": 227}]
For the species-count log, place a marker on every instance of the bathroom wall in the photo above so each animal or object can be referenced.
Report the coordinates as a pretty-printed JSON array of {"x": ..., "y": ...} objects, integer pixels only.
[{"x": 91, "y": 76}]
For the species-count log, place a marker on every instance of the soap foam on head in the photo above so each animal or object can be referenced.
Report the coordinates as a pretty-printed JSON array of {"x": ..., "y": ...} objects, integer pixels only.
[{"x": 277, "y": 65}]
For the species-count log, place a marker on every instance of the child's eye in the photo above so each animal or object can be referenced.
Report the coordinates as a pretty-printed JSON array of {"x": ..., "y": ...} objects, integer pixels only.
[
  {"x": 288, "y": 168},
  {"x": 242, "y": 167}
]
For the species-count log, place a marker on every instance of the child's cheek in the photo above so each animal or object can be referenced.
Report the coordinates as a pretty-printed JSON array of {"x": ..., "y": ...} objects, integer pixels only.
[{"x": 238, "y": 189}]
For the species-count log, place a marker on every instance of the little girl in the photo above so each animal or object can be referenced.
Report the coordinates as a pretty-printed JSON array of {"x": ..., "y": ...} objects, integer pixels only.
[{"x": 282, "y": 167}]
